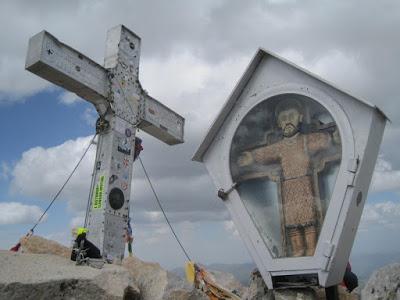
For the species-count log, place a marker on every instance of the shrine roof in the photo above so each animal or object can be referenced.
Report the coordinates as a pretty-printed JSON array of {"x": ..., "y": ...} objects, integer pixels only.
[{"x": 241, "y": 84}]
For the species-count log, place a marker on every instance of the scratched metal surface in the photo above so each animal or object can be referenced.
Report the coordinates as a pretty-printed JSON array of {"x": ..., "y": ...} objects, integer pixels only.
[{"x": 116, "y": 93}]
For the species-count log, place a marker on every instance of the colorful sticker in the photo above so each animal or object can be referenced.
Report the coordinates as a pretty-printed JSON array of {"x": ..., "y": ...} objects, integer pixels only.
[
  {"x": 98, "y": 193},
  {"x": 124, "y": 185},
  {"x": 126, "y": 162},
  {"x": 112, "y": 179},
  {"x": 124, "y": 146}
]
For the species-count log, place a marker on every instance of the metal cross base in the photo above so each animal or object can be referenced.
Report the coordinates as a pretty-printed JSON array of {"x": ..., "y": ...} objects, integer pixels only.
[
  {"x": 332, "y": 293},
  {"x": 123, "y": 106}
]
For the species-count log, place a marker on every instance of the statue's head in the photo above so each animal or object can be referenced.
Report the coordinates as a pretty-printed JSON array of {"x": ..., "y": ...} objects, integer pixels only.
[{"x": 289, "y": 116}]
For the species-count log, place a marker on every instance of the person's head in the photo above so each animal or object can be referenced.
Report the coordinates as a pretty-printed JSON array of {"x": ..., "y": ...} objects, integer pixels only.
[
  {"x": 80, "y": 232},
  {"x": 289, "y": 116}
]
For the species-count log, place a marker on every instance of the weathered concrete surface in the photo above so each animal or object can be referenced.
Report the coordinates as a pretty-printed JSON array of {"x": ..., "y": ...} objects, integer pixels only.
[
  {"x": 383, "y": 284},
  {"x": 38, "y": 245},
  {"x": 43, "y": 276}
]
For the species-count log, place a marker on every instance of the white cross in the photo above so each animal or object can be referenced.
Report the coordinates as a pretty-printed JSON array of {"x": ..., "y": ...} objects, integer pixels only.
[{"x": 123, "y": 106}]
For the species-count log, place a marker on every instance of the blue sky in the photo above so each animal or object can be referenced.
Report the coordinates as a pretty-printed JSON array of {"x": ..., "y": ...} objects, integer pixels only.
[
  {"x": 40, "y": 120},
  {"x": 192, "y": 55}
]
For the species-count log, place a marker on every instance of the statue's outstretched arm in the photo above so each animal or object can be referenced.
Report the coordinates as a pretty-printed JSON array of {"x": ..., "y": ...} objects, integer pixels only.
[{"x": 262, "y": 155}]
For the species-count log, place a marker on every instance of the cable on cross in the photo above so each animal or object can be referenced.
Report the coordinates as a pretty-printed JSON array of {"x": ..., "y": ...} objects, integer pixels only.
[
  {"x": 65, "y": 183},
  {"x": 162, "y": 210}
]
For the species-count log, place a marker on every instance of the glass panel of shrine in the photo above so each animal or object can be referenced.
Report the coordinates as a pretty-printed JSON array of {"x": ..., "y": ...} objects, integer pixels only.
[{"x": 285, "y": 157}]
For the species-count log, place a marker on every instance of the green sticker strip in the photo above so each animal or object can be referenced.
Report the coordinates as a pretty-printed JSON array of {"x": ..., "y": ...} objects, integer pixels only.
[{"x": 98, "y": 194}]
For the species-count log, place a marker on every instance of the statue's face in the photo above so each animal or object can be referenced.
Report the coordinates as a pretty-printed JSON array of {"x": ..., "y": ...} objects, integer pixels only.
[{"x": 288, "y": 121}]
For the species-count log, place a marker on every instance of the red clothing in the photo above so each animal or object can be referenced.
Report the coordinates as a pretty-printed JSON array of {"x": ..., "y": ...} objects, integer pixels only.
[{"x": 16, "y": 247}]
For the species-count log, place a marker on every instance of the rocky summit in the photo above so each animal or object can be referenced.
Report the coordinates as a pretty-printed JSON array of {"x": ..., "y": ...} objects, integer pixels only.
[
  {"x": 45, "y": 276},
  {"x": 42, "y": 270}
]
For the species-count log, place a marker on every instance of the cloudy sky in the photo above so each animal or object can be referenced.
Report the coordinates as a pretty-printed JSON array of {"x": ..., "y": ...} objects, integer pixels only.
[{"x": 193, "y": 53}]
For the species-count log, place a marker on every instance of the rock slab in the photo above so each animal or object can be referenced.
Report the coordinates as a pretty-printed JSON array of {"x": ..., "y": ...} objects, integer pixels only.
[
  {"x": 42, "y": 276},
  {"x": 383, "y": 284},
  {"x": 155, "y": 283},
  {"x": 38, "y": 245}
]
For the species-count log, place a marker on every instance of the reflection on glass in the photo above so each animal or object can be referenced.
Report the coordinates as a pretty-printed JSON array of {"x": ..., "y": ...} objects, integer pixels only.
[{"x": 285, "y": 156}]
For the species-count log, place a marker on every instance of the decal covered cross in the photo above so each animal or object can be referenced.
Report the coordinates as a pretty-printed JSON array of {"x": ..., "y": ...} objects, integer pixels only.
[{"x": 123, "y": 106}]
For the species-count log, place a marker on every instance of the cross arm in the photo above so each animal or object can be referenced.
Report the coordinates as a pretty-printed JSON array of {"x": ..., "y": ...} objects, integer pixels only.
[
  {"x": 60, "y": 64},
  {"x": 161, "y": 122}
]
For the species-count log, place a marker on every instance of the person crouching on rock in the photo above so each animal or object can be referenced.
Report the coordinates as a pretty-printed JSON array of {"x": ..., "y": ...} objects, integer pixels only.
[{"x": 84, "y": 246}]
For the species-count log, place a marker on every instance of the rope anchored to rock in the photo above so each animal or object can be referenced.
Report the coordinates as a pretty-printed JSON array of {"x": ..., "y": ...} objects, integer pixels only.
[{"x": 31, "y": 231}]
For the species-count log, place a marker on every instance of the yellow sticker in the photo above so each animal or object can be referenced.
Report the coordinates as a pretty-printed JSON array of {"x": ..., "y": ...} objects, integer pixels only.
[{"x": 98, "y": 193}]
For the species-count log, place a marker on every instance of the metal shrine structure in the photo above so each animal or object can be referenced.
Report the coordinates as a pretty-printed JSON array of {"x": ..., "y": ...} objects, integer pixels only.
[
  {"x": 292, "y": 157},
  {"x": 123, "y": 106}
]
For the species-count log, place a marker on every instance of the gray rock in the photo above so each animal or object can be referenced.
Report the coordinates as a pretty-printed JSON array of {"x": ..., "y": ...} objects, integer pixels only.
[
  {"x": 155, "y": 283},
  {"x": 227, "y": 281},
  {"x": 295, "y": 294},
  {"x": 44, "y": 276},
  {"x": 186, "y": 295},
  {"x": 258, "y": 289},
  {"x": 383, "y": 284}
]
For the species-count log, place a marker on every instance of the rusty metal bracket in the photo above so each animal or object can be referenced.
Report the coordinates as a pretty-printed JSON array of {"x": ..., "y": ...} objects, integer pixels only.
[{"x": 224, "y": 194}]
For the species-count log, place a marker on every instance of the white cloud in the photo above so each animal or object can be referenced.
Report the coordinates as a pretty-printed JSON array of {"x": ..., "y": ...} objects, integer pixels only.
[
  {"x": 14, "y": 82},
  {"x": 69, "y": 98},
  {"x": 77, "y": 221},
  {"x": 90, "y": 116},
  {"x": 191, "y": 85},
  {"x": 41, "y": 172},
  {"x": 385, "y": 178},
  {"x": 386, "y": 214},
  {"x": 192, "y": 55},
  {"x": 332, "y": 66},
  {"x": 62, "y": 237},
  {"x": 4, "y": 171},
  {"x": 18, "y": 213},
  {"x": 231, "y": 228}
]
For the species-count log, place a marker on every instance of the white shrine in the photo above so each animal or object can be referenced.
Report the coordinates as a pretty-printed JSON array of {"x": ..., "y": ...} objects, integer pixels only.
[{"x": 292, "y": 157}]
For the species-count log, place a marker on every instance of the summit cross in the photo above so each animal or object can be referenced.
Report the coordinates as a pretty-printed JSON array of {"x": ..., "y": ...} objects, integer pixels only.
[{"x": 123, "y": 106}]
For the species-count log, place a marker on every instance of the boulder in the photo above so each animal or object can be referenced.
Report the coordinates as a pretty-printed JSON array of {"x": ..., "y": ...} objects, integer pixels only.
[
  {"x": 295, "y": 294},
  {"x": 38, "y": 245},
  {"x": 343, "y": 294},
  {"x": 43, "y": 276},
  {"x": 383, "y": 284},
  {"x": 155, "y": 283},
  {"x": 227, "y": 281},
  {"x": 258, "y": 289},
  {"x": 60, "y": 278}
]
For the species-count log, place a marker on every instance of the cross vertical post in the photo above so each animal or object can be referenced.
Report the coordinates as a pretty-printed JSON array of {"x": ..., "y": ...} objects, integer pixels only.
[
  {"x": 123, "y": 106},
  {"x": 107, "y": 220}
]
